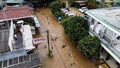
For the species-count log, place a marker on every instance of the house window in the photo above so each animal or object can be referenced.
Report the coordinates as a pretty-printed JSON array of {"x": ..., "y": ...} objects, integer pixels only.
[
  {"x": 86, "y": 16},
  {"x": 108, "y": 35},
  {"x": 117, "y": 40},
  {"x": 92, "y": 22},
  {"x": 118, "y": 37}
]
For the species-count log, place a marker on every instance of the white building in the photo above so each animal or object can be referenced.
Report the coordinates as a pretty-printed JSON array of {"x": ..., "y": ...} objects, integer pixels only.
[{"x": 105, "y": 23}]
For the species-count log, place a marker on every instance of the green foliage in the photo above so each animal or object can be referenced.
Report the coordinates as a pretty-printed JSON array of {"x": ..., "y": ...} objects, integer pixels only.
[
  {"x": 57, "y": 14},
  {"x": 63, "y": 5},
  {"x": 76, "y": 5},
  {"x": 56, "y": 8},
  {"x": 75, "y": 27},
  {"x": 39, "y": 3},
  {"x": 71, "y": 2},
  {"x": 91, "y": 4},
  {"x": 50, "y": 53},
  {"x": 103, "y": 5},
  {"x": 89, "y": 46}
]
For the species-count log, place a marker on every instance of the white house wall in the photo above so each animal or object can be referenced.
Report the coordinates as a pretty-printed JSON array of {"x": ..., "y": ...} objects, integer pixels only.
[
  {"x": 11, "y": 36},
  {"x": 106, "y": 31},
  {"x": 27, "y": 37}
]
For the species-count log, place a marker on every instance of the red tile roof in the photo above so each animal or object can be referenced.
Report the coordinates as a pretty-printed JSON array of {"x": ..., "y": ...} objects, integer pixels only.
[{"x": 15, "y": 12}]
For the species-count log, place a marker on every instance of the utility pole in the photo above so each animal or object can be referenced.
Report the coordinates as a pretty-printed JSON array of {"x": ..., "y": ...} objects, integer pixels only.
[
  {"x": 48, "y": 40},
  {"x": 49, "y": 51}
]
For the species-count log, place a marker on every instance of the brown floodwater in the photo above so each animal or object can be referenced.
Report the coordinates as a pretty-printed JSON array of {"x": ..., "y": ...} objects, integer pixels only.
[{"x": 66, "y": 56}]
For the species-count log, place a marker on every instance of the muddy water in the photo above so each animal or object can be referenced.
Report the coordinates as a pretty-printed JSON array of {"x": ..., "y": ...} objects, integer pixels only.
[{"x": 63, "y": 57}]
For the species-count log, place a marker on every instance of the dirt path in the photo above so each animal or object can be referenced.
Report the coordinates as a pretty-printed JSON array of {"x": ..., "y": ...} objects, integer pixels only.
[{"x": 67, "y": 57}]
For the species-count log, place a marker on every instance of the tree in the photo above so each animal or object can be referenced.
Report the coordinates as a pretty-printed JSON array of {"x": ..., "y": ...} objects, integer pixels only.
[
  {"x": 91, "y": 4},
  {"x": 76, "y": 28},
  {"x": 56, "y": 9},
  {"x": 39, "y": 3},
  {"x": 71, "y": 2},
  {"x": 56, "y": 6},
  {"x": 89, "y": 46}
]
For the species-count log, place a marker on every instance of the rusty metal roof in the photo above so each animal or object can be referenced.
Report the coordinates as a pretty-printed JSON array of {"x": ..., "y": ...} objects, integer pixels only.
[{"x": 15, "y": 12}]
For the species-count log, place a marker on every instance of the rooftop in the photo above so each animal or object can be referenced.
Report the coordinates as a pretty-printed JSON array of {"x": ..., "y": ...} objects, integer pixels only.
[
  {"x": 15, "y": 12},
  {"x": 26, "y": 61},
  {"x": 4, "y": 35},
  {"x": 109, "y": 15}
]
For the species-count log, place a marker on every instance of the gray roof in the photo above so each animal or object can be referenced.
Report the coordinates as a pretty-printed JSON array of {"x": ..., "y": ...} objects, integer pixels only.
[
  {"x": 12, "y": 54},
  {"x": 26, "y": 61},
  {"x": 109, "y": 15},
  {"x": 4, "y": 35}
]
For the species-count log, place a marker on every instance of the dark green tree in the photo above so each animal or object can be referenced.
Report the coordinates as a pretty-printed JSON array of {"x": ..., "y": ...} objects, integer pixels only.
[
  {"x": 39, "y": 3},
  {"x": 71, "y": 2},
  {"x": 75, "y": 27},
  {"x": 91, "y": 4},
  {"x": 56, "y": 8},
  {"x": 89, "y": 46}
]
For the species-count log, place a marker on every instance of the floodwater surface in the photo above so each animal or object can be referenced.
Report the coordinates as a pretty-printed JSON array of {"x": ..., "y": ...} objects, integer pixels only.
[{"x": 65, "y": 53}]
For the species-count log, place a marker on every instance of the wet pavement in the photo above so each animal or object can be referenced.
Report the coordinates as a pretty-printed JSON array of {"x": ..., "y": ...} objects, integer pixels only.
[{"x": 65, "y": 53}]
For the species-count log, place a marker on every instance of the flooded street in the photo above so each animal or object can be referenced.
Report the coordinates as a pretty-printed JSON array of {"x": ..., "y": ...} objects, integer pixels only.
[{"x": 63, "y": 56}]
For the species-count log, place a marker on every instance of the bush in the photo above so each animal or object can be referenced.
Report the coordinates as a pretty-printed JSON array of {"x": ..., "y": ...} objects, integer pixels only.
[{"x": 89, "y": 46}]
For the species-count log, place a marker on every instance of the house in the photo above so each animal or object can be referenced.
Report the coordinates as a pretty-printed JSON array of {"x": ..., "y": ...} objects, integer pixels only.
[
  {"x": 16, "y": 37},
  {"x": 18, "y": 12},
  {"x": 105, "y": 23}
]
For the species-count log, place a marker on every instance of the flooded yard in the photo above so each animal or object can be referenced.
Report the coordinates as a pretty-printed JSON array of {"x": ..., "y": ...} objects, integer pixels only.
[{"x": 65, "y": 53}]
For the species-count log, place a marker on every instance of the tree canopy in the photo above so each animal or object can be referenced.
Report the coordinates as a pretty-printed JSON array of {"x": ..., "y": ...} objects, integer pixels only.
[
  {"x": 89, "y": 46},
  {"x": 39, "y": 3},
  {"x": 56, "y": 8},
  {"x": 91, "y": 4},
  {"x": 76, "y": 28}
]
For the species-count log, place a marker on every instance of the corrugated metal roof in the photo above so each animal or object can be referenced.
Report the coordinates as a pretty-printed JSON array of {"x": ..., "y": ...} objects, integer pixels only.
[
  {"x": 26, "y": 61},
  {"x": 109, "y": 15},
  {"x": 16, "y": 12}
]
